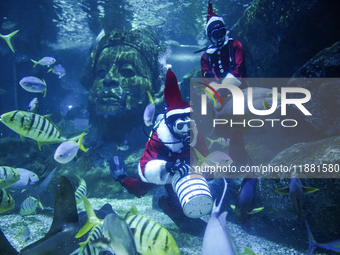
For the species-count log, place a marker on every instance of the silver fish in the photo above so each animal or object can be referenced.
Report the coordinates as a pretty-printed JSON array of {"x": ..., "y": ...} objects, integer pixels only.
[
  {"x": 27, "y": 178},
  {"x": 33, "y": 84},
  {"x": 58, "y": 70},
  {"x": 45, "y": 61},
  {"x": 33, "y": 106},
  {"x": 67, "y": 150}
]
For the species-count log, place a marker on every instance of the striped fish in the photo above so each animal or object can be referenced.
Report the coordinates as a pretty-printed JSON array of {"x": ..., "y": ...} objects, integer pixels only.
[
  {"x": 34, "y": 126},
  {"x": 29, "y": 206},
  {"x": 150, "y": 237},
  {"x": 81, "y": 190},
  {"x": 85, "y": 247},
  {"x": 8, "y": 176},
  {"x": 6, "y": 201}
]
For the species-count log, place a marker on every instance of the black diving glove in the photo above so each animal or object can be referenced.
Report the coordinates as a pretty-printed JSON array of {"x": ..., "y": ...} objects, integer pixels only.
[
  {"x": 209, "y": 74},
  {"x": 173, "y": 167}
]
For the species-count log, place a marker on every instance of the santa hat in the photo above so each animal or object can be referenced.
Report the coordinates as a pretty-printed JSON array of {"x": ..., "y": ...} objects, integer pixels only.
[
  {"x": 211, "y": 17},
  {"x": 172, "y": 96}
]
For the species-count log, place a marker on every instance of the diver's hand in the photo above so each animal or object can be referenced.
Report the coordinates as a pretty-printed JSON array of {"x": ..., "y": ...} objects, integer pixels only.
[{"x": 173, "y": 167}]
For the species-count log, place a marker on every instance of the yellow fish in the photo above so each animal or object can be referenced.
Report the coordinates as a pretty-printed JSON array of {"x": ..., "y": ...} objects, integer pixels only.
[
  {"x": 34, "y": 126},
  {"x": 6, "y": 201},
  {"x": 8, "y": 176},
  {"x": 150, "y": 237}
]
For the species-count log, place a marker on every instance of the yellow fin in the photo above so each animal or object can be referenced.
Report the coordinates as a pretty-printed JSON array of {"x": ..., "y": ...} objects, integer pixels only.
[
  {"x": 22, "y": 137},
  {"x": 200, "y": 157},
  {"x": 266, "y": 106},
  {"x": 35, "y": 62},
  {"x": 92, "y": 219},
  {"x": 81, "y": 146},
  {"x": 134, "y": 210},
  {"x": 7, "y": 38},
  {"x": 307, "y": 190},
  {"x": 40, "y": 144},
  {"x": 41, "y": 206},
  {"x": 233, "y": 207},
  {"x": 283, "y": 191},
  {"x": 150, "y": 97},
  {"x": 256, "y": 210},
  {"x": 247, "y": 251}
]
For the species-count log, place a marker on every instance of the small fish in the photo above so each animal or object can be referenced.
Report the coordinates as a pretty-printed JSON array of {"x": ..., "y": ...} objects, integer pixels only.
[
  {"x": 27, "y": 178},
  {"x": 33, "y": 84},
  {"x": 8, "y": 176},
  {"x": 6, "y": 201},
  {"x": 67, "y": 150},
  {"x": 7, "y": 38},
  {"x": 150, "y": 237},
  {"x": 117, "y": 236},
  {"x": 29, "y": 206},
  {"x": 296, "y": 193},
  {"x": 125, "y": 147},
  {"x": 215, "y": 158},
  {"x": 45, "y": 61},
  {"x": 221, "y": 141},
  {"x": 58, "y": 70},
  {"x": 33, "y": 106},
  {"x": 81, "y": 190},
  {"x": 331, "y": 246},
  {"x": 149, "y": 112},
  {"x": 34, "y": 126},
  {"x": 245, "y": 200},
  {"x": 24, "y": 233}
]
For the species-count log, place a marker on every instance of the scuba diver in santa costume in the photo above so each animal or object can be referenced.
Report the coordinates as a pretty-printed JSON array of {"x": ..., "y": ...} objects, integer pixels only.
[
  {"x": 224, "y": 62},
  {"x": 166, "y": 153}
]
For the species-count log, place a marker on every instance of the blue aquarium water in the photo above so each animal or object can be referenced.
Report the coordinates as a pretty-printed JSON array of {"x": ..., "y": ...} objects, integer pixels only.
[{"x": 120, "y": 120}]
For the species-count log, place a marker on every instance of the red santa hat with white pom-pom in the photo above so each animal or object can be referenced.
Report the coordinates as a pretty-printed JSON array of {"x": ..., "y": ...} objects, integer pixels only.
[{"x": 211, "y": 17}]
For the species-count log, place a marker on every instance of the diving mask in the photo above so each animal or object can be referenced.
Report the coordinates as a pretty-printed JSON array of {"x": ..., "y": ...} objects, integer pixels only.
[
  {"x": 182, "y": 126},
  {"x": 218, "y": 33}
]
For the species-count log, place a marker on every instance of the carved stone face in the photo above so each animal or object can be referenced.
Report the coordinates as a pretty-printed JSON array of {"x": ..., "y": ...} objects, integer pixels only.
[{"x": 122, "y": 77}]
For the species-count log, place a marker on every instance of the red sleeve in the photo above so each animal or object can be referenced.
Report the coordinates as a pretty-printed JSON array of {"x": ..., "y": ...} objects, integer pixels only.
[
  {"x": 152, "y": 151},
  {"x": 239, "y": 59}
]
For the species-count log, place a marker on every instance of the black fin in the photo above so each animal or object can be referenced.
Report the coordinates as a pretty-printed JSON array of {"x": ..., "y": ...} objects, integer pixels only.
[
  {"x": 5, "y": 247},
  {"x": 65, "y": 209}
]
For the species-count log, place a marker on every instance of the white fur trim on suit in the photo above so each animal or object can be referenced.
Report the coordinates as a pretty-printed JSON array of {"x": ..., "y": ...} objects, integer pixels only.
[
  {"x": 166, "y": 137},
  {"x": 155, "y": 172}
]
